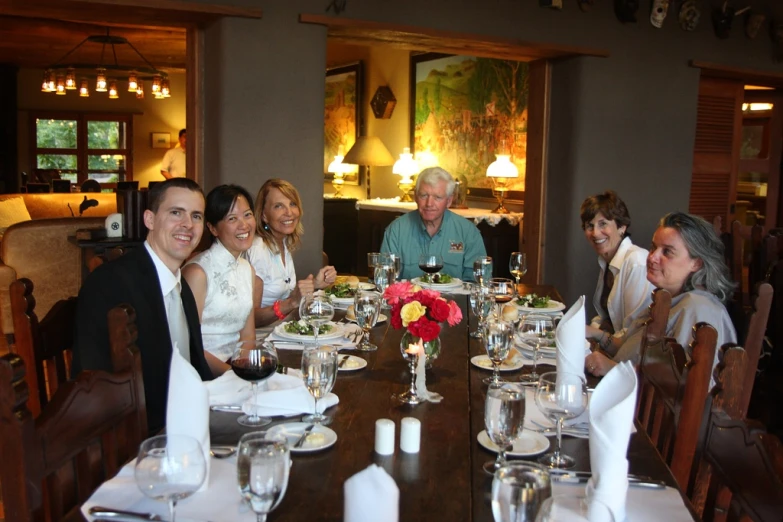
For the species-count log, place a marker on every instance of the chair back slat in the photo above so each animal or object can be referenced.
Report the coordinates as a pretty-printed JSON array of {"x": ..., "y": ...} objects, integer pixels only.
[{"x": 754, "y": 341}]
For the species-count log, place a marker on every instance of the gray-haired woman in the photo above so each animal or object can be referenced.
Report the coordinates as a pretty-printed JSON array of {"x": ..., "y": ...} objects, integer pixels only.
[{"x": 686, "y": 259}]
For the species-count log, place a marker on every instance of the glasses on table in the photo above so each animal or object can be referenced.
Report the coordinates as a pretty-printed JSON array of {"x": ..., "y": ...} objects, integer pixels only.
[
  {"x": 535, "y": 331},
  {"x": 504, "y": 291},
  {"x": 560, "y": 396},
  {"x": 263, "y": 466},
  {"x": 482, "y": 302},
  {"x": 366, "y": 309},
  {"x": 517, "y": 265},
  {"x": 396, "y": 261},
  {"x": 385, "y": 273},
  {"x": 254, "y": 361},
  {"x": 519, "y": 490},
  {"x": 430, "y": 263},
  {"x": 372, "y": 262},
  {"x": 316, "y": 311},
  {"x": 504, "y": 417},
  {"x": 319, "y": 371},
  {"x": 482, "y": 270},
  {"x": 497, "y": 341},
  {"x": 170, "y": 468}
]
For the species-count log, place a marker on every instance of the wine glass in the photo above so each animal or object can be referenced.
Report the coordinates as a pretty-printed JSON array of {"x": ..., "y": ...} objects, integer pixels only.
[
  {"x": 535, "y": 330},
  {"x": 517, "y": 265},
  {"x": 316, "y": 310},
  {"x": 497, "y": 341},
  {"x": 263, "y": 466},
  {"x": 319, "y": 370},
  {"x": 372, "y": 262},
  {"x": 430, "y": 263},
  {"x": 482, "y": 270},
  {"x": 504, "y": 291},
  {"x": 519, "y": 490},
  {"x": 396, "y": 260},
  {"x": 254, "y": 361},
  {"x": 560, "y": 396},
  {"x": 367, "y": 308},
  {"x": 384, "y": 273},
  {"x": 482, "y": 302},
  {"x": 504, "y": 416},
  {"x": 170, "y": 468}
]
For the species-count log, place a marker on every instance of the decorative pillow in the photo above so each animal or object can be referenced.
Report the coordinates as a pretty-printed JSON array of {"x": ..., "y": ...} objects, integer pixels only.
[{"x": 12, "y": 210}]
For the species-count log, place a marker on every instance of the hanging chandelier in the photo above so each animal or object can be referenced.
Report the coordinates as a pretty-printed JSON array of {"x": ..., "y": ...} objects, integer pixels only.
[{"x": 63, "y": 75}]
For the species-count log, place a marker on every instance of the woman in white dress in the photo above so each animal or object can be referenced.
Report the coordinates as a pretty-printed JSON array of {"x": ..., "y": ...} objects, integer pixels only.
[
  {"x": 222, "y": 281},
  {"x": 279, "y": 232},
  {"x": 623, "y": 292}
]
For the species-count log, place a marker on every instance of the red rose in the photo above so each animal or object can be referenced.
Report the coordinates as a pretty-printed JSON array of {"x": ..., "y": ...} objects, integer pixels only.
[
  {"x": 424, "y": 328},
  {"x": 439, "y": 310}
]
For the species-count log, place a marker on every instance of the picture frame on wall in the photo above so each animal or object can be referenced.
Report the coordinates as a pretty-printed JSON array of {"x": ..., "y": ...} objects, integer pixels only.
[
  {"x": 343, "y": 119},
  {"x": 160, "y": 140},
  {"x": 466, "y": 109}
]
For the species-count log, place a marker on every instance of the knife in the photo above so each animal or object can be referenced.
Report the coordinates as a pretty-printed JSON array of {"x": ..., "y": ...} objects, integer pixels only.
[
  {"x": 117, "y": 514},
  {"x": 581, "y": 477},
  {"x": 300, "y": 442},
  {"x": 226, "y": 407},
  {"x": 343, "y": 361}
]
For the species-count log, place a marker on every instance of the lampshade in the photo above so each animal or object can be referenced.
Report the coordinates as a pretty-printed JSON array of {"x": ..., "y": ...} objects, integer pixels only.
[
  {"x": 406, "y": 166},
  {"x": 369, "y": 151},
  {"x": 502, "y": 168}
]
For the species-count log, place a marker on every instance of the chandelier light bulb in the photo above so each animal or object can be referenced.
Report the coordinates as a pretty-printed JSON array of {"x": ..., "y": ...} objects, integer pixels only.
[
  {"x": 133, "y": 82},
  {"x": 70, "y": 79},
  {"x": 84, "y": 88},
  {"x": 156, "y": 84},
  {"x": 165, "y": 88},
  {"x": 113, "y": 90},
  {"x": 45, "y": 83},
  {"x": 60, "y": 86},
  {"x": 140, "y": 91},
  {"x": 100, "y": 83},
  {"x": 50, "y": 82}
]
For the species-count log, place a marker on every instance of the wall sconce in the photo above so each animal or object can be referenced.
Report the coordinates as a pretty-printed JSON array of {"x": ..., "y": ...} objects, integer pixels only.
[
  {"x": 406, "y": 167},
  {"x": 500, "y": 171}
]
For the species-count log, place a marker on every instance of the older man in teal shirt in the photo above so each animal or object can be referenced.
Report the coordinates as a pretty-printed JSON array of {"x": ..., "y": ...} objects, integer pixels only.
[{"x": 434, "y": 230}]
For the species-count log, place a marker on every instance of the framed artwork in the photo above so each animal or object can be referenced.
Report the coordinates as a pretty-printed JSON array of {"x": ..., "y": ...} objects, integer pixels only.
[
  {"x": 342, "y": 115},
  {"x": 465, "y": 110},
  {"x": 161, "y": 140}
]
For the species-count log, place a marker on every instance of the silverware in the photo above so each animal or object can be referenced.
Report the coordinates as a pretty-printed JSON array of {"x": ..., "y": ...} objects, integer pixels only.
[
  {"x": 343, "y": 361},
  {"x": 226, "y": 407},
  {"x": 581, "y": 477},
  {"x": 117, "y": 514},
  {"x": 222, "y": 452},
  {"x": 301, "y": 440}
]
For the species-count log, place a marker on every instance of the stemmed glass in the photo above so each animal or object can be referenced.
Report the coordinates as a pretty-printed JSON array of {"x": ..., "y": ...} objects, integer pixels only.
[
  {"x": 482, "y": 270},
  {"x": 482, "y": 302},
  {"x": 504, "y": 291},
  {"x": 396, "y": 260},
  {"x": 367, "y": 308},
  {"x": 254, "y": 361},
  {"x": 430, "y": 263},
  {"x": 497, "y": 341},
  {"x": 536, "y": 330},
  {"x": 263, "y": 466},
  {"x": 519, "y": 490},
  {"x": 517, "y": 265},
  {"x": 504, "y": 416},
  {"x": 372, "y": 262},
  {"x": 316, "y": 310},
  {"x": 560, "y": 396},
  {"x": 170, "y": 468},
  {"x": 385, "y": 272},
  {"x": 319, "y": 370}
]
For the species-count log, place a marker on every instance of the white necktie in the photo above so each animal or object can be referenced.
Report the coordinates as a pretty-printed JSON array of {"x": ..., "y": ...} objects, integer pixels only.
[{"x": 178, "y": 324}]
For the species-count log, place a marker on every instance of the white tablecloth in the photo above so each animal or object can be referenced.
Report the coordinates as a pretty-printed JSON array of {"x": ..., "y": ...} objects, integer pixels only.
[{"x": 642, "y": 505}]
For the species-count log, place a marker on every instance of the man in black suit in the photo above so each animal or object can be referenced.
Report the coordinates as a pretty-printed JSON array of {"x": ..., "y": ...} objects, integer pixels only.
[{"x": 148, "y": 278}]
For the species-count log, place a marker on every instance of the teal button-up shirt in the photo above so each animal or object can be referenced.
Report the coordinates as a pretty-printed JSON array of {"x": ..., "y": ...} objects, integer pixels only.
[{"x": 457, "y": 240}]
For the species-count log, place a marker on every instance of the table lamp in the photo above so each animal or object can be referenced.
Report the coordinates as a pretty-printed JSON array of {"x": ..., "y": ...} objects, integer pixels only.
[
  {"x": 406, "y": 167},
  {"x": 500, "y": 171},
  {"x": 339, "y": 169},
  {"x": 370, "y": 152}
]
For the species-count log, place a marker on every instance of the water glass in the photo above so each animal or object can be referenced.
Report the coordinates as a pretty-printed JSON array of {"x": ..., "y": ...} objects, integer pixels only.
[
  {"x": 536, "y": 330},
  {"x": 504, "y": 416},
  {"x": 482, "y": 270},
  {"x": 316, "y": 310},
  {"x": 170, "y": 468},
  {"x": 254, "y": 361},
  {"x": 517, "y": 265},
  {"x": 497, "y": 341},
  {"x": 385, "y": 273},
  {"x": 319, "y": 371},
  {"x": 482, "y": 302},
  {"x": 560, "y": 396},
  {"x": 372, "y": 262},
  {"x": 263, "y": 466},
  {"x": 396, "y": 260},
  {"x": 519, "y": 489},
  {"x": 367, "y": 308}
]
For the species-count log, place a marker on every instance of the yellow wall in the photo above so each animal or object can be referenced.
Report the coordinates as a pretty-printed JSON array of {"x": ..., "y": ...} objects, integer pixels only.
[{"x": 150, "y": 115}]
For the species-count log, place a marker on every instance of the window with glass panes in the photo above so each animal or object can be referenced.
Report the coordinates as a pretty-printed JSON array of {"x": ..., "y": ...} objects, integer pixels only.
[{"x": 84, "y": 146}]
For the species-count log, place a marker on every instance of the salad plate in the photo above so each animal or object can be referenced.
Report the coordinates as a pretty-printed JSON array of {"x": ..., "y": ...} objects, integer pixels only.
[
  {"x": 509, "y": 365},
  {"x": 320, "y": 437},
  {"x": 529, "y": 443},
  {"x": 533, "y": 303},
  {"x": 335, "y": 332},
  {"x": 454, "y": 283},
  {"x": 341, "y": 293}
]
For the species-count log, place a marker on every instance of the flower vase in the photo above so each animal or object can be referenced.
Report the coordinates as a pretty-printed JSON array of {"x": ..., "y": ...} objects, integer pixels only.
[{"x": 431, "y": 348}]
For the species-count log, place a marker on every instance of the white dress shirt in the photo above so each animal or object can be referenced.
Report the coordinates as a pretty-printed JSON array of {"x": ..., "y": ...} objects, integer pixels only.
[
  {"x": 279, "y": 280},
  {"x": 631, "y": 293},
  {"x": 174, "y": 162},
  {"x": 171, "y": 285}
]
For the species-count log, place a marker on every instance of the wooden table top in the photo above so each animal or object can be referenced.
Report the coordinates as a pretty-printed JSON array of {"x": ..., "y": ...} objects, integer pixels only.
[{"x": 445, "y": 479}]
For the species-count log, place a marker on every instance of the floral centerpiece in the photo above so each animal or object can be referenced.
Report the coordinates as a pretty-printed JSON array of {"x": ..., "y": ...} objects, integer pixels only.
[{"x": 420, "y": 312}]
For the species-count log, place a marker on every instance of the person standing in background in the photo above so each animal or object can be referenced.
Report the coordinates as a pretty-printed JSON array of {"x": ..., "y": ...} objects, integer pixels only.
[{"x": 173, "y": 164}]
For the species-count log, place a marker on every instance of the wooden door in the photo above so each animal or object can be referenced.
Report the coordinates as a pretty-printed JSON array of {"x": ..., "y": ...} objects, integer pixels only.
[{"x": 716, "y": 150}]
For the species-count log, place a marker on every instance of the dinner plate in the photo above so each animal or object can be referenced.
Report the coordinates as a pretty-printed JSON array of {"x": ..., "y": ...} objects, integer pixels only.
[
  {"x": 483, "y": 362},
  {"x": 523, "y": 347},
  {"x": 455, "y": 283},
  {"x": 529, "y": 443},
  {"x": 552, "y": 306},
  {"x": 341, "y": 300},
  {"x": 366, "y": 286},
  {"x": 336, "y": 332},
  {"x": 319, "y": 438},
  {"x": 381, "y": 319},
  {"x": 352, "y": 363}
]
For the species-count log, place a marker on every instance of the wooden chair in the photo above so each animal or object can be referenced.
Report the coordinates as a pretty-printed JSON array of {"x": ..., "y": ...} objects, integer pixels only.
[
  {"x": 673, "y": 392},
  {"x": 655, "y": 327},
  {"x": 740, "y": 257},
  {"x": 755, "y": 332},
  {"x": 45, "y": 346},
  {"x": 90, "y": 428}
]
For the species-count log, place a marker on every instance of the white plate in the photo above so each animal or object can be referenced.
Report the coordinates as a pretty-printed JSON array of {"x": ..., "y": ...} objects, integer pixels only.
[
  {"x": 293, "y": 430},
  {"x": 552, "y": 306},
  {"x": 455, "y": 283},
  {"x": 526, "y": 348},
  {"x": 381, "y": 319},
  {"x": 528, "y": 444},
  {"x": 483, "y": 362},
  {"x": 349, "y": 363},
  {"x": 341, "y": 300},
  {"x": 366, "y": 286},
  {"x": 336, "y": 332}
]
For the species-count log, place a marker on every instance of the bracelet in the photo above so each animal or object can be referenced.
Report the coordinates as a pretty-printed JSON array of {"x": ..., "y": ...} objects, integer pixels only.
[{"x": 279, "y": 313}]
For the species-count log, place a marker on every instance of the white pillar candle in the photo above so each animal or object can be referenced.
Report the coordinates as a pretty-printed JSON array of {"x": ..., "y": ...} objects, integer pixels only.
[
  {"x": 410, "y": 435},
  {"x": 384, "y": 437}
]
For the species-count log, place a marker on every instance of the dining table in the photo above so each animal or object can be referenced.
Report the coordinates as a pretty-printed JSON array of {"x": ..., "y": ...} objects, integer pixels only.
[{"x": 445, "y": 479}]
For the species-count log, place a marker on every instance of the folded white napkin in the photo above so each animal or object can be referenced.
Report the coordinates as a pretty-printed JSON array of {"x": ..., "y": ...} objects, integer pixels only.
[
  {"x": 187, "y": 410},
  {"x": 373, "y": 495},
  {"x": 286, "y": 395},
  {"x": 228, "y": 389},
  {"x": 611, "y": 420},
  {"x": 570, "y": 340}
]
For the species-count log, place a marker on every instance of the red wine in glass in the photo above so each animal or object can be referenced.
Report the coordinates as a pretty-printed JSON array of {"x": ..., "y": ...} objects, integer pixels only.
[
  {"x": 430, "y": 264},
  {"x": 431, "y": 269},
  {"x": 254, "y": 361},
  {"x": 253, "y": 372}
]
